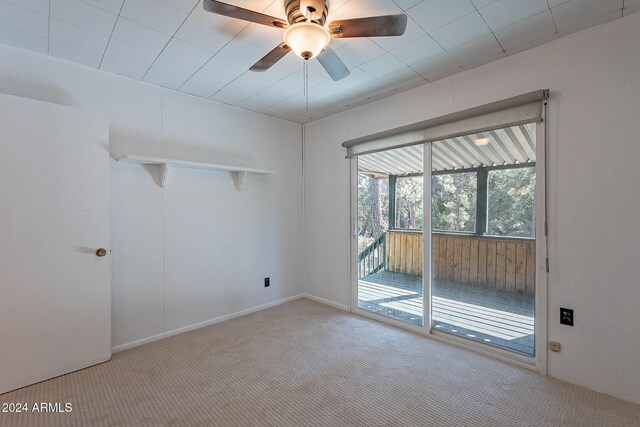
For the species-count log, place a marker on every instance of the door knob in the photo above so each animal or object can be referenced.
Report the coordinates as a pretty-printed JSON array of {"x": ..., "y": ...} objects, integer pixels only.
[{"x": 101, "y": 252}]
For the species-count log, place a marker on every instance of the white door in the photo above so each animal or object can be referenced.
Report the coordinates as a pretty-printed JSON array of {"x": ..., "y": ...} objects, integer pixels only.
[{"x": 55, "y": 314}]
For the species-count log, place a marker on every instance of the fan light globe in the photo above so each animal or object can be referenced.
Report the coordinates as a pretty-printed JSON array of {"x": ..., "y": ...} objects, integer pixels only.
[{"x": 306, "y": 39}]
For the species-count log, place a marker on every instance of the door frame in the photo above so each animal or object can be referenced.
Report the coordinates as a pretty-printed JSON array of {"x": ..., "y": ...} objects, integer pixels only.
[{"x": 539, "y": 361}]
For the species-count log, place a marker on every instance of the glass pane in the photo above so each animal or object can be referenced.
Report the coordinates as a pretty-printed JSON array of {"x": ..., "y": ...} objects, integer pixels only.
[
  {"x": 409, "y": 203},
  {"x": 390, "y": 223},
  {"x": 512, "y": 202},
  {"x": 483, "y": 285},
  {"x": 454, "y": 202}
]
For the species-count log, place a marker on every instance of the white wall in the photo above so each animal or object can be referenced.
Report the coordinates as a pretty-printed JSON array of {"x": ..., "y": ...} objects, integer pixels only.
[
  {"x": 198, "y": 249},
  {"x": 594, "y": 199}
]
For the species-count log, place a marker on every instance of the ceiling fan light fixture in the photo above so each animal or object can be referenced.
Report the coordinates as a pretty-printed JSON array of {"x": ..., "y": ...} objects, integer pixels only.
[{"x": 307, "y": 39}]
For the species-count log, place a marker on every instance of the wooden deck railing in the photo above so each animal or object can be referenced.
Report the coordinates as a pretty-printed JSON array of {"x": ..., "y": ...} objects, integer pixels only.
[
  {"x": 404, "y": 252},
  {"x": 372, "y": 259},
  {"x": 506, "y": 264}
]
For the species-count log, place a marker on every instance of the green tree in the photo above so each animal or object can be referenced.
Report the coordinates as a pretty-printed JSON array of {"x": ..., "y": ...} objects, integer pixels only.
[
  {"x": 373, "y": 208},
  {"x": 454, "y": 202},
  {"x": 409, "y": 202},
  {"x": 512, "y": 202}
]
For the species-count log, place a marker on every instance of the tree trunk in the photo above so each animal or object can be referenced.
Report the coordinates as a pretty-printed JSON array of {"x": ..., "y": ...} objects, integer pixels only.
[
  {"x": 376, "y": 208},
  {"x": 399, "y": 208},
  {"x": 412, "y": 215},
  {"x": 458, "y": 213}
]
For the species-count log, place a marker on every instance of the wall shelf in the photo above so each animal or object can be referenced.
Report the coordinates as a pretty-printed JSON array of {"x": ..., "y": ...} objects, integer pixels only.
[{"x": 238, "y": 173}]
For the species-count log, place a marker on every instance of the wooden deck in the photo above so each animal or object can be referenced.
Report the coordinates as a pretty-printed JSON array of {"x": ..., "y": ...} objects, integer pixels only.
[{"x": 498, "y": 318}]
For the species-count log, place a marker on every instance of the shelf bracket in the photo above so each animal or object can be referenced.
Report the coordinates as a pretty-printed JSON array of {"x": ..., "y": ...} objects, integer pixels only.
[
  {"x": 164, "y": 171},
  {"x": 238, "y": 178}
]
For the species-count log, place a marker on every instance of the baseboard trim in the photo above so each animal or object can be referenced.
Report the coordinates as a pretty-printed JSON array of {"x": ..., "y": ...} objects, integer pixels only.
[
  {"x": 199, "y": 325},
  {"x": 327, "y": 302}
]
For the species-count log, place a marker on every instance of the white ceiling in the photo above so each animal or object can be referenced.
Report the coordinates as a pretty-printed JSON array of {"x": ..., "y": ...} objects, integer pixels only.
[{"x": 177, "y": 45}]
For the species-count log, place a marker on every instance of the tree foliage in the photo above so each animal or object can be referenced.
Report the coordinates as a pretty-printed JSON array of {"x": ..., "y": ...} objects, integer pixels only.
[
  {"x": 454, "y": 202},
  {"x": 511, "y": 203},
  {"x": 409, "y": 195}
]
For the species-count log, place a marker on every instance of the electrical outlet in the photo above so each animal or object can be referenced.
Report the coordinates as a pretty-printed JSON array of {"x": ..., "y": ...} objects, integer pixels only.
[
  {"x": 266, "y": 282},
  {"x": 566, "y": 316},
  {"x": 555, "y": 346}
]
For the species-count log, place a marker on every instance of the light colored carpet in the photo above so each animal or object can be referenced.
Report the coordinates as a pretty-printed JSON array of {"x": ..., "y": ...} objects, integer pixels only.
[{"x": 305, "y": 364}]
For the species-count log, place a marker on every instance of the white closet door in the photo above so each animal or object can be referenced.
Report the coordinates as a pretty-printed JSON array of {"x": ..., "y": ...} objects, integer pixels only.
[{"x": 55, "y": 313}]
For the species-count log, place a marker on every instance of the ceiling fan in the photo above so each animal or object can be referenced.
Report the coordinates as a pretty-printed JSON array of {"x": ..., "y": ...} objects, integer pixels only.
[{"x": 307, "y": 35}]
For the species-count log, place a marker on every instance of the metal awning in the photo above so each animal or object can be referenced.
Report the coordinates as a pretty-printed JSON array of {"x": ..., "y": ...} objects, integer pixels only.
[{"x": 509, "y": 146}]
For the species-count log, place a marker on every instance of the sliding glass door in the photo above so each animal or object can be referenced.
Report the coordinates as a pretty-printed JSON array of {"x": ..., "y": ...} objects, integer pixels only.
[
  {"x": 477, "y": 223},
  {"x": 390, "y": 220},
  {"x": 483, "y": 230}
]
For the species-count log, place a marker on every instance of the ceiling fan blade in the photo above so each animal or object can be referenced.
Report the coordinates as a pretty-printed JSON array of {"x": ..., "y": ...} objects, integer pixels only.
[
  {"x": 244, "y": 14},
  {"x": 333, "y": 64},
  {"x": 312, "y": 9},
  {"x": 375, "y": 26},
  {"x": 271, "y": 58}
]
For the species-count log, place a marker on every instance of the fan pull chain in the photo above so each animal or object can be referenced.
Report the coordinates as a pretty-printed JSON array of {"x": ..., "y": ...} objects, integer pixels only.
[{"x": 306, "y": 82}]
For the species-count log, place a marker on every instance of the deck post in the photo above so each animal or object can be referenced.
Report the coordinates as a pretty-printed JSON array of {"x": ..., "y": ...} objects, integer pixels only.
[
  {"x": 482, "y": 201},
  {"x": 392, "y": 201}
]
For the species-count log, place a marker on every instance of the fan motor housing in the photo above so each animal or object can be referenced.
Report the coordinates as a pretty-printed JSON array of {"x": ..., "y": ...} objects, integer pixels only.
[{"x": 295, "y": 15}]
